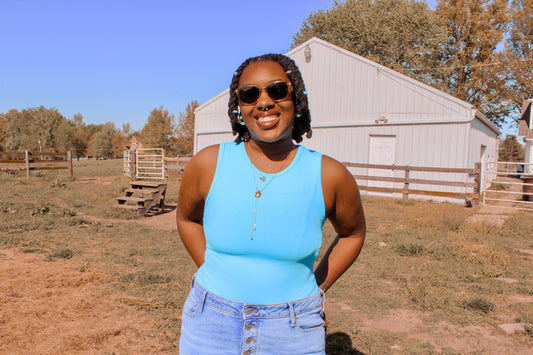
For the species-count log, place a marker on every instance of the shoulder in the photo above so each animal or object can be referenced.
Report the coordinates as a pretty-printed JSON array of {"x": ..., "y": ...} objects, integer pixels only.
[
  {"x": 200, "y": 170},
  {"x": 338, "y": 185},
  {"x": 333, "y": 171},
  {"x": 204, "y": 159}
]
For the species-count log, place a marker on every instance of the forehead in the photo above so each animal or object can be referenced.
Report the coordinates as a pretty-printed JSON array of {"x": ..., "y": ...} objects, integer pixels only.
[{"x": 262, "y": 73}]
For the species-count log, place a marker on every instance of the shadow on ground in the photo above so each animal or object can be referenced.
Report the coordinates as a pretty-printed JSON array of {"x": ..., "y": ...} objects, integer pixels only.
[
  {"x": 155, "y": 212},
  {"x": 340, "y": 344}
]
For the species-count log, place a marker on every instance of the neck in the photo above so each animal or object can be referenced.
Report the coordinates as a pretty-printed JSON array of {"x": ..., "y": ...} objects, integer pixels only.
[{"x": 275, "y": 151}]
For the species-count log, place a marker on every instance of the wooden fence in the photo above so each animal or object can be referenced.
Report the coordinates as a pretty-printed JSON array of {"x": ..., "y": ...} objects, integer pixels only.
[
  {"x": 35, "y": 161},
  {"x": 508, "y": 184},
  {"x": 470, "y": 184},
  {"x": 471, "y": 190},
  {"x": 174, "y": 166}
]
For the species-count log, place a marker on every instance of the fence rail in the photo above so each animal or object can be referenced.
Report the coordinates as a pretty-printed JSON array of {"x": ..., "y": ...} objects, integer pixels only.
[
  {"x": 507, "y": 185},
  {"x": 150, "y": 164},
  {"x": 174, "y": 166},
  {"x": 27, "y": 158},
  {"x": 471, "y": 188}
]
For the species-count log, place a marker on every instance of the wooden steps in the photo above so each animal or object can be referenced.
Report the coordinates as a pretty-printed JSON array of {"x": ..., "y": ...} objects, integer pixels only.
[{"x": 143, "y": 196}]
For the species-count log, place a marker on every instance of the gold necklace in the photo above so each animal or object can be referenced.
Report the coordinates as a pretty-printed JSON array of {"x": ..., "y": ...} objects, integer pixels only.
[{"x": 258, "y": 192}]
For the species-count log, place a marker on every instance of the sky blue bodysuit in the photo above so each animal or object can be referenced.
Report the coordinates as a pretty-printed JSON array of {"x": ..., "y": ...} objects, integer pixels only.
[{"x": 272, "y": 263}]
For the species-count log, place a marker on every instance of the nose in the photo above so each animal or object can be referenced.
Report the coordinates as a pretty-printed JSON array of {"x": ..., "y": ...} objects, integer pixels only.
[{"x": 264, "y": 101}]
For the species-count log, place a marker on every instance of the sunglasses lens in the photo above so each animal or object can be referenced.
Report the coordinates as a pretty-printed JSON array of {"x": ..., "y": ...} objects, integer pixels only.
[
  {"x": 278, "y": 91},
  {"x": 248, "y": 94}
]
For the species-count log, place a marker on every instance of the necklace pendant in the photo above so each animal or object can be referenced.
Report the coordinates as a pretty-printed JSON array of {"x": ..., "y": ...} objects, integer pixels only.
[
  {"x": 262, "y": 178},
  {"x": 258, "y": 194}
]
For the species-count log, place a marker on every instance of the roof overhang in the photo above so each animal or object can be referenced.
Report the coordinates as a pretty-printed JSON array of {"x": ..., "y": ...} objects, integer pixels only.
[{"x": 487, "y": 122}]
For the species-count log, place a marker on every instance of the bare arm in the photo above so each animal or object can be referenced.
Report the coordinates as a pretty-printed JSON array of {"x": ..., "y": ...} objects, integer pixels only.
[
  {"x": 345, "y": 211},
  {"x": 195, "y": 185}
]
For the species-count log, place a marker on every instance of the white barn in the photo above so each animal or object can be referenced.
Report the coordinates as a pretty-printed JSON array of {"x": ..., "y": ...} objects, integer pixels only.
[{"x": 363, "y": 112}]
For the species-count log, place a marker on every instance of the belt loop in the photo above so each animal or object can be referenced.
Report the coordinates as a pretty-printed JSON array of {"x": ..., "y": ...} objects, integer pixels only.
[
  {"x": 202, "y": 301},
  {"x": 293, "y": 314},
  {"x": 323, "y": 298},
  {"x": 192, "y": 280}
]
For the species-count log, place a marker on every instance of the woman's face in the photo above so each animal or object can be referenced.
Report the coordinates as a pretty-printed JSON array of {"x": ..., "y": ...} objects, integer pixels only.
[{"x": 267, "y": 119}]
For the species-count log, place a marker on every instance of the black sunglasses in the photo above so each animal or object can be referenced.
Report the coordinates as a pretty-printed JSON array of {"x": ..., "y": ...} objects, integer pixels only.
[{"x": 277, "y": 91}]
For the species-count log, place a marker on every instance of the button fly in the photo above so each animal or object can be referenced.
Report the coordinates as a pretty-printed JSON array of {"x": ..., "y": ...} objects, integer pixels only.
[{"x": 250, "y": 310}]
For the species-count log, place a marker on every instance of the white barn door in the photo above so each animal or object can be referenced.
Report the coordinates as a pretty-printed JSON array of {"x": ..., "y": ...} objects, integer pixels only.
[{"x": 382, "y": 152}]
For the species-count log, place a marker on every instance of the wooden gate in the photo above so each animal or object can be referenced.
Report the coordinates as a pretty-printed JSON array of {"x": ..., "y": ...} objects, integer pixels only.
[
  {"x": 506, "y": 184},
  {"x": 150, "y": 164},
  {"x": 126, "y": 164}
]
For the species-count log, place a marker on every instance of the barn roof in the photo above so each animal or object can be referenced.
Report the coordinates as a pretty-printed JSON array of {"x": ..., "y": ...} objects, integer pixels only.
[{"x": 416, "y": 87}]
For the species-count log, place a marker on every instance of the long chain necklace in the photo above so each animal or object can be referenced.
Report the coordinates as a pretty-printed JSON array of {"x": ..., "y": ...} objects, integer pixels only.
[{"x": 258, "y": 192}]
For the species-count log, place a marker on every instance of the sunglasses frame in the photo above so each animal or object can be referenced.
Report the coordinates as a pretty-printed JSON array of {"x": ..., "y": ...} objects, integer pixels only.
[{"x": 289, "y": 91}]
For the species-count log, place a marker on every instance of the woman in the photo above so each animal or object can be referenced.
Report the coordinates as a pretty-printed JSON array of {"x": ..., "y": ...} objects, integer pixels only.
[{"x": 251, "y": 213}]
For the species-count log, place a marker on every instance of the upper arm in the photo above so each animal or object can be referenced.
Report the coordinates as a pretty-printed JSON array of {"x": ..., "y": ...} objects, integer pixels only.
[
  {"x": 195, "y": 184},
  {"x": 342, "y": 199}
]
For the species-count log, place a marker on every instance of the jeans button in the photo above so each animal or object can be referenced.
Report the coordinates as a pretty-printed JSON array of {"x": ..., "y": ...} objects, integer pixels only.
[
  {"x": 249, "y": 326},
  {"x": 249, "y": 340},
  {"x": 248, "y": 310}
]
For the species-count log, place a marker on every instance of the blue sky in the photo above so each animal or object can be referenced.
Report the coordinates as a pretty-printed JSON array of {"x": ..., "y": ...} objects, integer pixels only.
[{"x": 117, "y": 60}]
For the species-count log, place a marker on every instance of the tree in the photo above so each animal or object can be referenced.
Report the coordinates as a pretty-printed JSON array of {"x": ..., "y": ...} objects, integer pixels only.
[
  {"x": 33, "y": 129},
  {"x": 79, "y": 136},
  {"x": 79, "y": 141},
  {"x": 400, "y": 34},
  {"x": 185, "y": 130},
  {"x": 19, "y": 136},
  {"x": 126, "y": 130},
  {"x": 159, "y": 129},
  {"x": 475, "y": 28},
  {"x": 518, "y": 55},
  {"x": 63, "y": 139},
  {"x": 119, "y": 142},
  {"x": 511, "y": 150},
  {"x": 101, "y": 142},
  {"x": 3, "y": 131}
]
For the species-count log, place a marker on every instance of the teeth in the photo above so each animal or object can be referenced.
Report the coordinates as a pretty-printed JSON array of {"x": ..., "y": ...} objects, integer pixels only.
[{"x": 267, "y": 118}]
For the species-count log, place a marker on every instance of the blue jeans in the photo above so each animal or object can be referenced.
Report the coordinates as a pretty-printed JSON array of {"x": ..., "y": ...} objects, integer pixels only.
[{"x": 215, "y": 325}]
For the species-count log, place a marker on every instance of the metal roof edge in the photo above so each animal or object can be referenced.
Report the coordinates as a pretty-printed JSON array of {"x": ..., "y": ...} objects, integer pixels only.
[
  {"x": 383, "y": 68},
  {"x": 487, "y": 122},
  {"x": 199, "y": 108}
]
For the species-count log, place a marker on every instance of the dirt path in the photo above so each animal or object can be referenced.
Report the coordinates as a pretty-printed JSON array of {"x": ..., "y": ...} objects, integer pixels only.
[{"x": 61, "y": 307}]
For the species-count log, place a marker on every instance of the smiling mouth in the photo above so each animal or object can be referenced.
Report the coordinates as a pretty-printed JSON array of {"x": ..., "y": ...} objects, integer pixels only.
[{"x": 267, "y": 119}]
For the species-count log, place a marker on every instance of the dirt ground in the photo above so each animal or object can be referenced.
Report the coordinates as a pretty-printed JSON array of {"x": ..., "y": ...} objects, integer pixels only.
[{"x": 64, "y": 308}]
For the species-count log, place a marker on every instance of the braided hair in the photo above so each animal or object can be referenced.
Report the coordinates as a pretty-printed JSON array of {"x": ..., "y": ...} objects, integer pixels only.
[{"x": 302, "y": 120}]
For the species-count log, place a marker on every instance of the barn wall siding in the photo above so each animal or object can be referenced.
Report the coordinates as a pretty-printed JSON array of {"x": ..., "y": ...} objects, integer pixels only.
[{"x": 352, "y": 99}]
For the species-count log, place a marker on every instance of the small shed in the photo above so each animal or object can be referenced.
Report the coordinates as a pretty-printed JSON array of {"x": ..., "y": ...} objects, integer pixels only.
[
  {"x": 133, "y": 144},
  {"x": 363, "y": 112}
]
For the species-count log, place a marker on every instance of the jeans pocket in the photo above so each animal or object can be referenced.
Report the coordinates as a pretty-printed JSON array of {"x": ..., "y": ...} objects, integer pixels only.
[
  {"x": 310, "y": 321},
  {"x": 191, "y": 306}
]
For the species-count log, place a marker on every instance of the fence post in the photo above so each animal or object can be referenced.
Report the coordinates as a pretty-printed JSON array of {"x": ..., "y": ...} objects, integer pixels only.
[
  {"x": 27, "y": 158},
  {"x": 406, "y": 184},
  {"x": 477, "y": 184},
  {"x": 69, "y": 162},
  {"x": 133, "y": 165}
]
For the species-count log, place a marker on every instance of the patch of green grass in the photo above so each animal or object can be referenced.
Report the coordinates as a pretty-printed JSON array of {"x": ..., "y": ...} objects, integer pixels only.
[
  {"x": 480, "y": 304},
  {"x": 498, "y": 186},
  {"x": 144, "y": 278},
  {"x": 62, "y": 253}
]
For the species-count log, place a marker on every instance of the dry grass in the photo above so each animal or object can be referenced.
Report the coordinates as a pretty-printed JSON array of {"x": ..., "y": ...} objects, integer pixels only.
[{"x": 420, "y": 257}]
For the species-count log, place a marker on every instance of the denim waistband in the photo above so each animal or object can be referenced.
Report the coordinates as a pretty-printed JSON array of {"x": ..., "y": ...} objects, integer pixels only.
[{"x": 244, "y": 310}]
